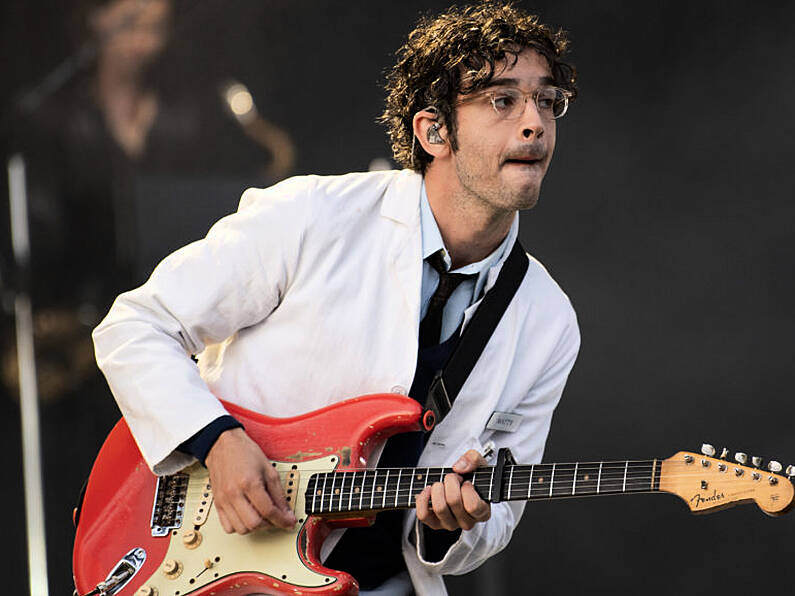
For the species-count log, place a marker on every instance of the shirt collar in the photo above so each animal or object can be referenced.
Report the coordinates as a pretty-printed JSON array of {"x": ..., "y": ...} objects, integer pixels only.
[{"x": 432, "y": 242}]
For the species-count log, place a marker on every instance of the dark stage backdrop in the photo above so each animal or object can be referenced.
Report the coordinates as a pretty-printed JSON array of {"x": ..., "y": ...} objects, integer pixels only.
[{"x": 667, "y": 216}]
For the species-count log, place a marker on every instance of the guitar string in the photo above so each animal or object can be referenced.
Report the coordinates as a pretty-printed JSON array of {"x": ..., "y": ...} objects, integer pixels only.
[
  {"x": 562, "y": 476},
  {"x": 559, "y": 467}
]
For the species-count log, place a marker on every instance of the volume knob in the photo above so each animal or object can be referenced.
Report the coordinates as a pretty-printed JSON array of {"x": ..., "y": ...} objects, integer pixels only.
[
  {"x": 774, "y": 466},
  {"x": 192, "y": 539},
  {"x": 741, "y": 458}
]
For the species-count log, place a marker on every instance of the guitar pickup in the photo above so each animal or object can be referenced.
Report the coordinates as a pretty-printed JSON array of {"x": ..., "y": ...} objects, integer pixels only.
[{"x": 290, "y": 486}]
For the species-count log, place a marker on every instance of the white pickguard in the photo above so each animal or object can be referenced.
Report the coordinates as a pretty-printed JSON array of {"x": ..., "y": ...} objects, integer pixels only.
[{"x": 273, "y": 552}]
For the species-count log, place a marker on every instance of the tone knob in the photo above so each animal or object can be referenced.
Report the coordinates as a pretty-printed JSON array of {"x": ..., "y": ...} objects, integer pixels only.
[
  {"x": 774, "y": 466},
  {"x": 741, "y": 458},
  {"x": 146, "y": 591},
  {"x": 192, "y": 539},
  {"x": 757, "y": 461},
  {"x": 171, "y": 568},
  {"x": 708, "y": 450}
]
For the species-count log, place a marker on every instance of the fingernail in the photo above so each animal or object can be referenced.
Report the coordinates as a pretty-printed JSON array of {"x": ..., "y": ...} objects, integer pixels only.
[{"x": 461, "y": 463}]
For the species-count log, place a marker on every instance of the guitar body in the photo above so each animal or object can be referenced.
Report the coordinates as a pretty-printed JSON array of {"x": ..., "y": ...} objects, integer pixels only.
[{"x": 190, "y": 553}]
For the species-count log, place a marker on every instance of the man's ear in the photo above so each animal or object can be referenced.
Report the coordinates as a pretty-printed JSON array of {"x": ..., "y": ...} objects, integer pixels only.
[{"x": 430, "y": 133}]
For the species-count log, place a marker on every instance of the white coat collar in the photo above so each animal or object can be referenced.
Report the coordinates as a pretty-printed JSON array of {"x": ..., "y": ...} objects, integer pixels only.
[{"x": 402, "y": 198}]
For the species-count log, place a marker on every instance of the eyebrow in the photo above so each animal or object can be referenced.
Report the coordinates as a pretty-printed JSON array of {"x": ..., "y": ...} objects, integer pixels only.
[{"x": 510, "y": 82}]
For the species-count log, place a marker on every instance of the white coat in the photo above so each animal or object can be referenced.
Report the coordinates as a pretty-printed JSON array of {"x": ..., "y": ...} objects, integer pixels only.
[{"x": 308, "y": 295}]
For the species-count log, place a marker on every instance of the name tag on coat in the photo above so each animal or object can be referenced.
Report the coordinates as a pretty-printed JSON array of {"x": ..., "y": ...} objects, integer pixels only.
[{"x": 504, "y": 421}]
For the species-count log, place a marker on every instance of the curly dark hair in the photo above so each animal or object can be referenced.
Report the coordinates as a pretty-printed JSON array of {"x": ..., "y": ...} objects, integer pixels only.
[{"x": 469, "y": 41}]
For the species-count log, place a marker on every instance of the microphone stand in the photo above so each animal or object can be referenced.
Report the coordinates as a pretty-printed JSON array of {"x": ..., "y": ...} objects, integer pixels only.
[{"x": 28, "y": 390}]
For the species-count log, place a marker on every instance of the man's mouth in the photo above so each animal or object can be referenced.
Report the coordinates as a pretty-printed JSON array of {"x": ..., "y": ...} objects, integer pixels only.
[{"x": 526, "y": 161}]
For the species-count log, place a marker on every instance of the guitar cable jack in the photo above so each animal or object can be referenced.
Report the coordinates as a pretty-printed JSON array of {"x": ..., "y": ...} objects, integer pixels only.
[{"x": 103, "y": 588}]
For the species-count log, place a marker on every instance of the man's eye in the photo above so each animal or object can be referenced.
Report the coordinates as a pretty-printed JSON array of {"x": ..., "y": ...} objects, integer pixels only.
[
  {"x": 503, "y": 102},
  {"x": 546, "y": 99}
]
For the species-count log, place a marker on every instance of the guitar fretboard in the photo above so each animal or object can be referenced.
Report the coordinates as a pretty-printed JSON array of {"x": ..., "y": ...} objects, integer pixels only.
[{"x": 396, "y": 488}]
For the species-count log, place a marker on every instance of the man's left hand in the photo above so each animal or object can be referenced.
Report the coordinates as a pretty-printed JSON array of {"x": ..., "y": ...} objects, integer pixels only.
[{"x": 454, "y": 503}]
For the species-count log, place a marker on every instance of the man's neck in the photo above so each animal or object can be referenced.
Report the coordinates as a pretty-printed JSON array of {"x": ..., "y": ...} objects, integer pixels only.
[{"x": 471, "y": 230}]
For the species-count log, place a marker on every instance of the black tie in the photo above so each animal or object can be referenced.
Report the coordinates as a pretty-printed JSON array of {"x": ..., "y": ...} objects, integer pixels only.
[{"x": 431, "y": 326}]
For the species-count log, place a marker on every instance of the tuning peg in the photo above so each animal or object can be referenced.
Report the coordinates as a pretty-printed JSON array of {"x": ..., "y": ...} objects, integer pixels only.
[
  {"x": 724, "y": 453},
  {"x": 741, "y": 458},
  {"x": 790, "y": 471},
  {"x": 707, "y": 450},
  {"x": 774, "y": 466},
  {"x": 757, "y": 461}
]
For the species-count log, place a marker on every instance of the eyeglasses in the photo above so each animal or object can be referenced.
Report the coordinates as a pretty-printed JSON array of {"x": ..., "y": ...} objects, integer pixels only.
[{"x": 509, "y": 102}]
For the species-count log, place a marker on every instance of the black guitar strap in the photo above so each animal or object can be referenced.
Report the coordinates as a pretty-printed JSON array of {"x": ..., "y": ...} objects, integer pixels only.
[{"x": 448, "y": 381}]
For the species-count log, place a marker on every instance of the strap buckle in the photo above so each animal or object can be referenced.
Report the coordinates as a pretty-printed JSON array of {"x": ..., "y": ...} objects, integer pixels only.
[{"x": 437, "y": 404}]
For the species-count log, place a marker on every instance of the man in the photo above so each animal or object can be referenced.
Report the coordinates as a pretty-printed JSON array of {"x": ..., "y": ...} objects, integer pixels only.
[{"x": 315, "y": 292}]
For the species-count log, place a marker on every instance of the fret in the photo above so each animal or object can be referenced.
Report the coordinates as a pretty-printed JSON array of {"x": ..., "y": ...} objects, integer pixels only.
[
  {"x": 323, "y": 492},
  {"x": 574, "y": 482},
  {"x": 564, "y": 480},
  {"x": 540, "y": 480},
  {"x": 491, "y": 483},
  {"x": 361, "y": 491},
  {"x": 552, "y": 481},
  {"x": 386, "y": 482},
  {"x": 397, "y": 487},
  {"x": 331, "y": 492},
  {"x": 599, "y": 482},
  {"x": 350, "y": 494},
  {"x": 586, "y": 479},
  {"x": 313, "y": 484},
  {"x": 640, "y": 476},
  {"x": 624, "y": 486},
  {"x": 372, "y": 489},
  {"x": 510, "y": 483},
  {"x": 530, "y": 482},
  {"x": 341, "y": 489},
  {"x": 427, "y": 475},
  {"x": 653, "y": 474},
  {"x": 411, "y": 488}
]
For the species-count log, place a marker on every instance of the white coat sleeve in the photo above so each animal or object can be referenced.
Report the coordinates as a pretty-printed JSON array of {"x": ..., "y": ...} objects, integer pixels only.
[
  {"x": 486, "y": 539},
  {"x": 201, "y": 294}
]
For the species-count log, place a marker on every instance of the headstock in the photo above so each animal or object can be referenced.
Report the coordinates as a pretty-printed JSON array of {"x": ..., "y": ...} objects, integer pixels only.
[{"x": 707, "y": 483}]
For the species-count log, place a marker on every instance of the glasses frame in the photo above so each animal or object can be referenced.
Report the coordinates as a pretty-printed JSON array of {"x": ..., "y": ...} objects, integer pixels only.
[{"x": 491, "y": 92}]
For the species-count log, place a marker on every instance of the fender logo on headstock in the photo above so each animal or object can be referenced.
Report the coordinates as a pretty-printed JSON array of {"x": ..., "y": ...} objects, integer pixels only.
[{"x": 713, "y": 498}]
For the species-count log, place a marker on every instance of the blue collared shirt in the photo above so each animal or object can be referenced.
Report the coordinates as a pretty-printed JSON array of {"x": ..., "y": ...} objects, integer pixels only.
[{"x": 469, "y": 291}]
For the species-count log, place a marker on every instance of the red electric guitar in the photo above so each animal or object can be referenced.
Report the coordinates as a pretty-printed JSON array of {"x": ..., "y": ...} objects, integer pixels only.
[{"x": 139, "y": 535}]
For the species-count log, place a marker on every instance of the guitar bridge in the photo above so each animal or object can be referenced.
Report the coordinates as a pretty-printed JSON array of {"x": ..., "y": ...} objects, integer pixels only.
[{"x": 169, "y": 504}]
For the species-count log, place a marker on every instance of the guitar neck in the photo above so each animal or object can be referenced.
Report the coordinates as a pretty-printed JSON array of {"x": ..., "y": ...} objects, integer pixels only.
[{"x": 369, "y": 491}]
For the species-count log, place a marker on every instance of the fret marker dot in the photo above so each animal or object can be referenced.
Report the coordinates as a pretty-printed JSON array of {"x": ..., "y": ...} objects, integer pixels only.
[
  {"x": 419, "y": 476},
  {"x": 356, "y": 489},
  {"x": 336, "y": 491},
  {"x": 541, "y": 481},
  {"x": 318, "y": 493},
  {"x": 378, "y": 489},
  {"x": 586, "y": 477}
]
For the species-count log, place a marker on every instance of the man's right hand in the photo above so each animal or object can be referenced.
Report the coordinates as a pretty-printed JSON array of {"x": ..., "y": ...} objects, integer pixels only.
[{"x": 246, "y": 488}]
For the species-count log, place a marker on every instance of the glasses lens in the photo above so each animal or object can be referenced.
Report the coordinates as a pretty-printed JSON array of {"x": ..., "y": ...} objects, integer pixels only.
[
  {"x": 508, "y": 103},
  {"x": 552, "y": 101}
]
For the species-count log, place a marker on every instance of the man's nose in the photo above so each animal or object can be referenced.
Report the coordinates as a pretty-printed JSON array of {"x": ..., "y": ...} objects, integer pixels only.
[{"x": 531, "y": 124}]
